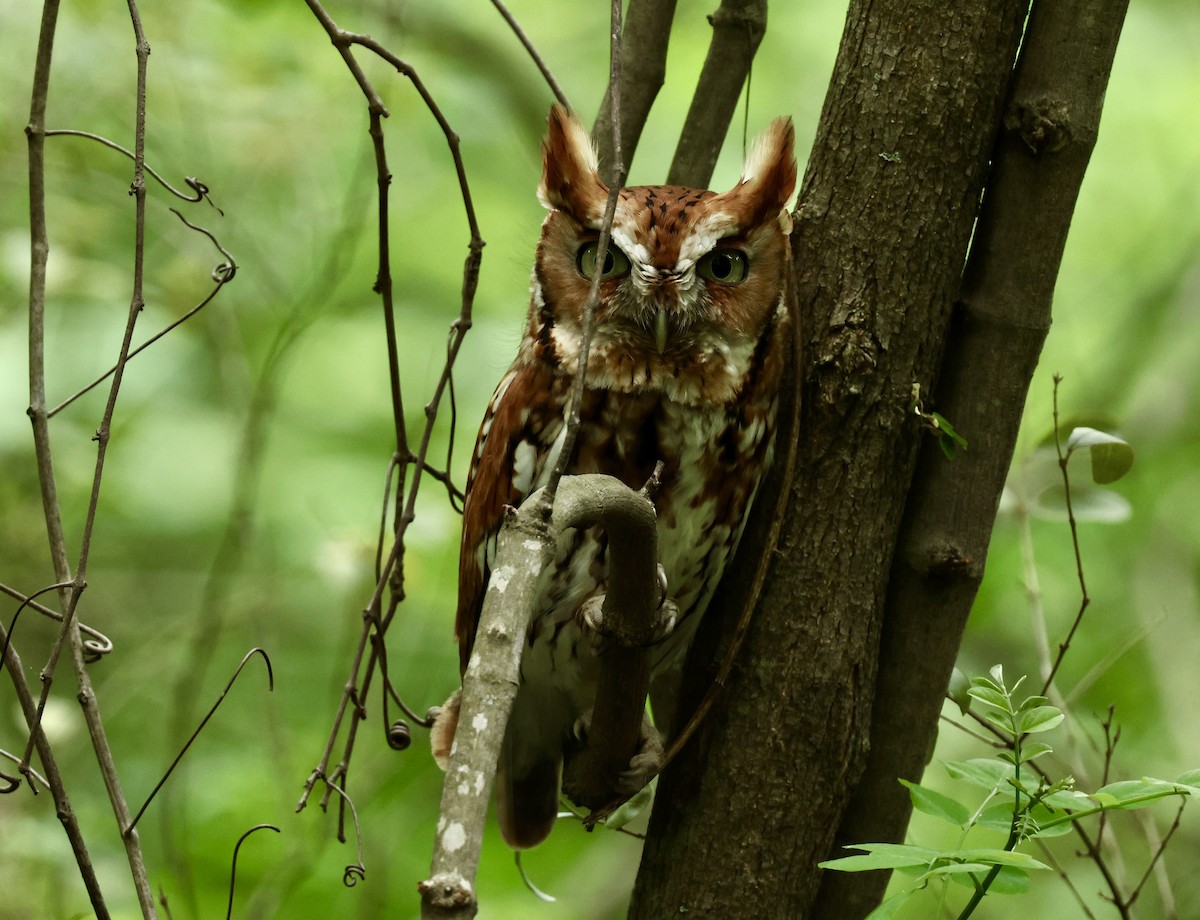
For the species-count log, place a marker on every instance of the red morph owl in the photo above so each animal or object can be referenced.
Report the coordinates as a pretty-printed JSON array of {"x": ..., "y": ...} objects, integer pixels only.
[{"x": 690, "y": 338}]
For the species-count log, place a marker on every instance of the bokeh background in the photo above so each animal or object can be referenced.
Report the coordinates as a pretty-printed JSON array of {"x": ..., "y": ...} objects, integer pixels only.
[{"x": 245, "y": 477}]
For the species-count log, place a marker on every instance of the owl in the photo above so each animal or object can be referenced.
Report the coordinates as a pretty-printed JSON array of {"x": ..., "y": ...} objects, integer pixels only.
[{"x": 689, "y": 342}]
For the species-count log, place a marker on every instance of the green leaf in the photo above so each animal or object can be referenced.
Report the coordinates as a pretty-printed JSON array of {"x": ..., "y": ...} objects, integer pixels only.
[
  {"x": 891, "y": 907},
  {"x": 949, "y": 440},
  {"x": 1039, "y": 719},
  {"x": 956, "y": 868},
  {"x": 881, "y": 856},
  {"x": 998, "y": 857},
  {"x": 936, "y": 804},
  {"x": 959, "y": 690},
  {"x": 1190, "y": 778},
  {"x": 996, "y": 817},
  {"x": 1133, "y": 793},
  {"x": 1111, "y": 456},
  {"x": 991, "y": 697},
  {"x": 1030, "y": 750},
  {"x": 1009, "y": 880},
  {"x": 1091, "y": 504},
  {"x": 986, "y": 772},
  {"x": 1071, "y": 799}
]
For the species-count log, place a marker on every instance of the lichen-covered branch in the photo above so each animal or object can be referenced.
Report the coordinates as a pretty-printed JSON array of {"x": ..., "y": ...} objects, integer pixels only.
[{"x": 526, "y": 546}]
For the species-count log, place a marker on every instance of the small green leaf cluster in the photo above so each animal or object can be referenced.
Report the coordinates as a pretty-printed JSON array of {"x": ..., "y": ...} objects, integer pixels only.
[
  {"x": 949, "y": 440},
  {"x": 1019, "y": 800}
]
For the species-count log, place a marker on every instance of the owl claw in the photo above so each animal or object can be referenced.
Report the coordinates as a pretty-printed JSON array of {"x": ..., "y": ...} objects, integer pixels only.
[
  {"x": 662, "y": 624},
  {"x": 643, "y": 766}
]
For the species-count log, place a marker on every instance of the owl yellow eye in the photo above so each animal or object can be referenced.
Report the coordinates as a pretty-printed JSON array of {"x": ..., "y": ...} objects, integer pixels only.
[
  {"x": 727, "y": 266},
  {"x": 616, "y": 263}
]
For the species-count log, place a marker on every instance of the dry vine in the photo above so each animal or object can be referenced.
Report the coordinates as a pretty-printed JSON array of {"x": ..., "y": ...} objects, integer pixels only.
[{"x": 81, "y": 643}]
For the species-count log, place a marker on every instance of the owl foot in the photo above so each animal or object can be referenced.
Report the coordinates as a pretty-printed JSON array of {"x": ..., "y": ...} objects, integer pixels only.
[
  {"x": 643, "y": 766},
  {"x": 596, "y": 625}
]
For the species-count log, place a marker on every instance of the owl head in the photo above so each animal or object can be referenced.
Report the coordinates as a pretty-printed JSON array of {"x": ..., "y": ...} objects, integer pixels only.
[{"x": 692, "y": 280}]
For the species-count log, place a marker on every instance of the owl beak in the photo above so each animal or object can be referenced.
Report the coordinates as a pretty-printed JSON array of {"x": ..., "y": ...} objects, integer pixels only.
[{"x": 660, "y": 330}]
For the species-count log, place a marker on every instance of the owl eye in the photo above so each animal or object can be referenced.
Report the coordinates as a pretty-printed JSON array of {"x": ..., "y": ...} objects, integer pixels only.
[
  {"x": 727, "y": 266},
  {"x": 616, "y": 263}
]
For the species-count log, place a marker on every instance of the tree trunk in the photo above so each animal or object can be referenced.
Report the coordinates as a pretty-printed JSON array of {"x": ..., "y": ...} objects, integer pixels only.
[{"x": 885, "y": 218}]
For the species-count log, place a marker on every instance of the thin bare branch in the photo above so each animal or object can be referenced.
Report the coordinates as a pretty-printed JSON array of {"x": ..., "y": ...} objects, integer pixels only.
[
  {"x": 1156, "y": 856},
  {"x": 222, "y": 274},
  {"x": 198, "y": 188},
  {"x": 391, "y": 571},
  {"x": 58, "y": 790},
  {"x": 533, "y": 52},
  {"x": 616, "y": 181},
  {"x": 178, "y": 757},
  {"x": 233, "y": 870},
  {"x": 1084, "y": 599}
]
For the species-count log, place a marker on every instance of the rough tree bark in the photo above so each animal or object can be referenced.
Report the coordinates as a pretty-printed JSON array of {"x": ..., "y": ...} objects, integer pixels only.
[{"x": 909, "y": 127}]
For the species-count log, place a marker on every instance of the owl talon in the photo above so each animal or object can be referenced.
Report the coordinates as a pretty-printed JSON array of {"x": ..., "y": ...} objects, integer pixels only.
[
  {"x": 662, "y": 624},
  {"x": 645, "y": 764}
]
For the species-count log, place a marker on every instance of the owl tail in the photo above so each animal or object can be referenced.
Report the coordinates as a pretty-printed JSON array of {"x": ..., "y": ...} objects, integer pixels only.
[{"x": 527, "y": 805}]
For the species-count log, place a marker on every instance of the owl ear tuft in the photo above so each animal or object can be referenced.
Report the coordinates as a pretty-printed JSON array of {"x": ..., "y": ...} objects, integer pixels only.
[
  {"x": 768, "y": 178},
  {"x": 570, "y": 170}
]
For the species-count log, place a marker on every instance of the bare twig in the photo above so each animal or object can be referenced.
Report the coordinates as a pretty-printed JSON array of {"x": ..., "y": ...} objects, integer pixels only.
[
  {"x": 31, "y": 773},
  {"x": 579, "y": 384},
  {"x": 62, "y": 801},
  {"x": 200, "y": 728},
  {"x": 1156, "y": 856},
  {"x": 222, "y": 275},
  {"x": 233, "y": 869},
  {"x": 198, "y": 187},
  {"x": 97, "y": 644},
  {"x": 1084, "y": 599},
  {"x": 391, "y": 570},
  {"x": 533, "y": 52},
  {"x": 1065, "y": 878}
]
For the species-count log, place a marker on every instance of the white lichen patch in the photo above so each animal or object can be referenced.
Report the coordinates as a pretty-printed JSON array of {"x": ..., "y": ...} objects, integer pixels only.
[
  {"x": 454, "y": 838},
  {"x": 480, "y": 722},
  {"x": 501, "y": 577},
  {"x": 480, "y": 782}
]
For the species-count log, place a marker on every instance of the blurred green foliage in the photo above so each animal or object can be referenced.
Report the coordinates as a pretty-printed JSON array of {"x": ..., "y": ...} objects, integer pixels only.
[{"x": 245, "y": 476}]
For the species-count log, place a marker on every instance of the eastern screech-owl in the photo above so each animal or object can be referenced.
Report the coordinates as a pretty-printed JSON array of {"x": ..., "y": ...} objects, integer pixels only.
[{"x": 689, "y": 341}]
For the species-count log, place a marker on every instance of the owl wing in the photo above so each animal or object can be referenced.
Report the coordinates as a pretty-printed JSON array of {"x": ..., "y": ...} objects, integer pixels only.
[{"x": 508, "y": 461}]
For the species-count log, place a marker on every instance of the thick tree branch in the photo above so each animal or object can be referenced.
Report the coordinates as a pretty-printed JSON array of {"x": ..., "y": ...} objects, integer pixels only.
[
  {"x": 738, "y": 27},
  {"x": 1051, "y": 121},
  {"x": 644, "y": 40},
  {"x": 524, "y": 548},
  {"x": 904, "y": 141}
]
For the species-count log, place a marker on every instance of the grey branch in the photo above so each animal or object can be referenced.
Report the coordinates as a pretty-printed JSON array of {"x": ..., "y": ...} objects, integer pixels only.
[{"x": 525, "y": 548}]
